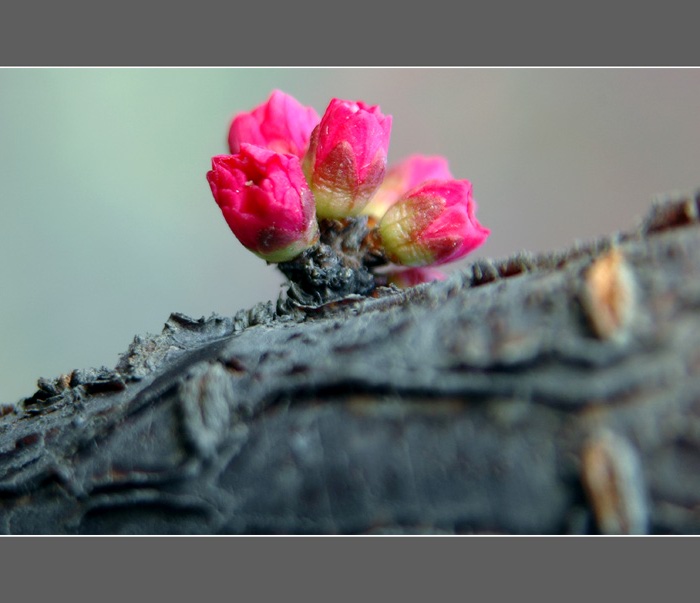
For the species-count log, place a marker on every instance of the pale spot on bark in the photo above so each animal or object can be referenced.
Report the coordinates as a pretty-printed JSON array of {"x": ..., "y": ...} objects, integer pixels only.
[{"x": 609, "y": 295}]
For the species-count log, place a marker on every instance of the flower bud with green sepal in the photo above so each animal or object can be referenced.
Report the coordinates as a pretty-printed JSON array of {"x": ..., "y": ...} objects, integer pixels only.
[
  {"x": 347, "y": 155},
  {"x": 432, "y": 224},
  {"x": 266, "y": 202}
]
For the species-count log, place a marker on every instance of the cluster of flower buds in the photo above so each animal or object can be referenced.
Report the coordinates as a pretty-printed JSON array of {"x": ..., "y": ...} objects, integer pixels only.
[{"x": 290, "y": 168}]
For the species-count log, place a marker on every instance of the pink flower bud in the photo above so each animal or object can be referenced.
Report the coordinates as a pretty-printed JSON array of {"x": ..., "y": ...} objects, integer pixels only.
[
  {"x": 402, "y": 177},
  {"x": 433, "y": 223},
  {"x": 346, "y": 160},
  {"x": 280, "y": 124},
  {"x": 410, "y": 277},
  {"x": 265, "y": 201}
]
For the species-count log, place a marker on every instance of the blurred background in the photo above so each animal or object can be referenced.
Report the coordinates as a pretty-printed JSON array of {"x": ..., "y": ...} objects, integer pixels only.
[{"x": 107, "y": 223}]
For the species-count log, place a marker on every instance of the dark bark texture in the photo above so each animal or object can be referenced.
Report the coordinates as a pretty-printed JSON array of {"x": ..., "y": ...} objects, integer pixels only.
[{"x": 538, "y": 394}]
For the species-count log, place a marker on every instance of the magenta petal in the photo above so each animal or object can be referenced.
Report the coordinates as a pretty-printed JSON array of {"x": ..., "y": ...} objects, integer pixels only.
[
  {"x": 280, "y": 124},
  {"x": 410, "y": 277},
  {"x": 402, "y": 177}
]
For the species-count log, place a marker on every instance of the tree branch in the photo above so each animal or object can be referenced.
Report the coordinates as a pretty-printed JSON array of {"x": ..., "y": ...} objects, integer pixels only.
[{"x": 538, "y": 394}]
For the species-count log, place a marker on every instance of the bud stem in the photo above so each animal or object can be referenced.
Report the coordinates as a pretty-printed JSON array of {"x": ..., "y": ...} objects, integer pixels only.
[{"x": 338, "y": 265}]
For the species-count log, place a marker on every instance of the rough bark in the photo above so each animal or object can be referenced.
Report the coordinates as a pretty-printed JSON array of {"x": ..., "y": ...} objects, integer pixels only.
[{"x": 539, "y": 394}]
